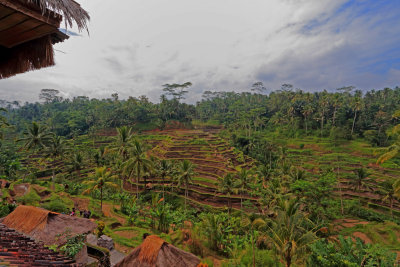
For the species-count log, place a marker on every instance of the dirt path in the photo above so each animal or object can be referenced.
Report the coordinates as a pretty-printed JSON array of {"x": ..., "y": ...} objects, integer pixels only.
[{"x": 108, "y": 212}]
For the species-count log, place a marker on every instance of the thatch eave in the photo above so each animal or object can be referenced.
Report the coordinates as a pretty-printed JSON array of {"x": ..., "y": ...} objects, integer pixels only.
[{"x": 70, "y": 10}]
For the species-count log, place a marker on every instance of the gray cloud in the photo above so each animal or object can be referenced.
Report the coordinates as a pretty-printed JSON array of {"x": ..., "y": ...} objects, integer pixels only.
[{"x": 135, "y": 47}]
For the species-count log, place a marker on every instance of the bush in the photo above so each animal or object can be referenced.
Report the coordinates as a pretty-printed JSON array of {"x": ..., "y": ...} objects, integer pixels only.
[
  {"x": 73, "y": 245},
  {"x": 6, "y": 209},
  {"x": 349, "y": 253},
  {"x": 369, "y": 215},
  {"x": 262, "y": 258},
  {"x": 56, "y": 205},
  {"x": 30, "y": 199}
]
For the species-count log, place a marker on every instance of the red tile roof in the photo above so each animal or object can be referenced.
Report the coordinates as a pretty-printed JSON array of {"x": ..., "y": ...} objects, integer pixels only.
[{"x": 19, "y": 250}]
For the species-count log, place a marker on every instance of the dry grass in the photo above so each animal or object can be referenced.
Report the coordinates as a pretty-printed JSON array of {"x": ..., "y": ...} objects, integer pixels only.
[
  {"x": 150, "y": 248},
  {"x": 27, "y": 218}
]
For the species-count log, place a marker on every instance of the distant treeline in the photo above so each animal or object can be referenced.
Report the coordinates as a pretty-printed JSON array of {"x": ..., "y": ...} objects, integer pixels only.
[{"x": 345, "y": 113}]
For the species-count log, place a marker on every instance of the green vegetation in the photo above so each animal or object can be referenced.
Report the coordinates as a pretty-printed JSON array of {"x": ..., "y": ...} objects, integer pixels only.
[{"x": 237, "y": 179}]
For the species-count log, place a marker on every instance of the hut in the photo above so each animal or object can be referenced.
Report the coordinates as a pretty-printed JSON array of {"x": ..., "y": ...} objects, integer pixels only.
[
  {"x": 19, "y": 250},
  {"x": 30, "y": 28},
  {"x": 155, "y": 252},
  {"x": 46, "y": 226}
]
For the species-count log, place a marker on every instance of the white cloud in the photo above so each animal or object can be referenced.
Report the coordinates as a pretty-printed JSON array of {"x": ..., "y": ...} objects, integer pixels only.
[{"x": 136, "y": 46}]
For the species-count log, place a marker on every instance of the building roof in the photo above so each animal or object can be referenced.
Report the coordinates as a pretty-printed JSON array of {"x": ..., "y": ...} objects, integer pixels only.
[
  {"x": 19, "y": 250},
  {"x": 29, "y": 28},
  {"x": 155, "y": 252},
  {"x": 46, "y": 226}
]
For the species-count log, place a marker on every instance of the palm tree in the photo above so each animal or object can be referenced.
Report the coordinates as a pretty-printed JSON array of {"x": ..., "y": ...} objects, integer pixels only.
[
  {"x": 307, "y": 112},
  {"x": 297, "y": 174},
  {"x": 391, "y": 190},
  {"x": 356, "y": 107},
  {"x": 244, "y": 181},
  {"x": 359, "y": 180},
  {"x": 264, "y": 173},
  {"x": 55, "y": 150},
  {"x": 288, "y": 234},
  {"x": 227, "y": 186},
  {"x": 123, "y": 141},
  {"x": 99, "y": 180},
  {"x": 253, "y": 224},
  {"x": 137, "y": 162},
  {"x": 184, "y": 176},
  {"x": 100, "y": 156},
  {"x": 76, "y": 162},
  {"x": 394, "y": 149},
  {"x": 164, "y": 170},
  {"x": 36, "y": 137},
  {"x": 3, "y": 122}
]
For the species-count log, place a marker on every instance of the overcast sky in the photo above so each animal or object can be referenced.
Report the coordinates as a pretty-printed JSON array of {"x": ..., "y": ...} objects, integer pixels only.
[{"x": 136, "y": 46}]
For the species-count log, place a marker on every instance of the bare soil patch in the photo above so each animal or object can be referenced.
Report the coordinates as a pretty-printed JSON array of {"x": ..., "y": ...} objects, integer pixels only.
[
  {"x": 126, "y": 234},
  {"x": 363, "y": 237}
]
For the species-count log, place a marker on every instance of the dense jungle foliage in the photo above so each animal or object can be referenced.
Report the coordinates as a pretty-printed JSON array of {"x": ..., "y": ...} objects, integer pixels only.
[{"x": 286, "y": 178}]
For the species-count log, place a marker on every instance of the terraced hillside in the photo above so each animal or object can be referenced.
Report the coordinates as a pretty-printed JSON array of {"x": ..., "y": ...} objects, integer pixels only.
[
  {"x": 317, "y": 156},
  {"x": 212, "y": 156}
]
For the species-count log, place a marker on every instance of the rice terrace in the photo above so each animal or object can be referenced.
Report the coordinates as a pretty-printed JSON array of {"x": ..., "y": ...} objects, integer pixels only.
[{"x": 199, "y": 134}]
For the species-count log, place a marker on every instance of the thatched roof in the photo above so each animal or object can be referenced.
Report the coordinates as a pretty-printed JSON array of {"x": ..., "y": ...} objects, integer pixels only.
[
  {"x": 70, "y": 10},
  {"x": 29, "y": 28},
  {"x": 155, "y": 252},
  {"x": 46, "y": 226}
]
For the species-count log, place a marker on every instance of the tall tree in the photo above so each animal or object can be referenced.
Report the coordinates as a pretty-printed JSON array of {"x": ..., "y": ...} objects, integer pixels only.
[
  {"x": 55, "y": 150},
  {"x": 184, "y": 176},
  {"x": 394, "y": 149},
  {"x": 359, "y": 180},
  {"x": 3, "y": 122},
  {"x": 164, "y": 170},
  {"x": 356, "y": 105},
  {"x": 391, "y": 191},
  {"x": 50, "y": 95},
  {"x": 227, "y": 186},
  {"x": 136, "y": 163},
  {"x": 35, "y": 137},
  {"x": 288, "y": 232},
  {"x": 123, "y": 141},
  {"x": 100, "y": 180},
  {"x": 244, "y": 182},
  {"x": 176, "y": 91}
]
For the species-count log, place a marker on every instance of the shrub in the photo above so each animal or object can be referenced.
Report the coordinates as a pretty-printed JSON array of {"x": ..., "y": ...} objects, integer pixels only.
[
  {"x": 73, "y": 245},
  {"x": 30, "y": 199},
  {"x": 56, "y": 205},
  {"x": 6, "y": 209},
  {"x": 100, "y": 228},
  {"x": 349, "y": 253},
  {"x": 262, "y": 258}
]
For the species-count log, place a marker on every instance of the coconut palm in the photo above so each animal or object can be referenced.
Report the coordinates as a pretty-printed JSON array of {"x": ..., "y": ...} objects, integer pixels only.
[
  {"x": 391, "y": 191},
  {"x": 76, "y": 162},
  {"x": 3, "y": 122},
  {"x": 297, "y": 174},
  {"x": 100, "y": 156},
  {"x": 100, "y": 180},
  {"x": 184, "y": 176},
  {"x": 227, "y": 186},
  {"x": 123, "y": 141},
  {"x": 164, "y": 170},
  {"x": 394, "y": 149},
  {"x": 136, "y": 163},
  {"x": 288, "y": 234},
  {"x": 36, "y": 137},
  {"x": 55, "y": 150},
  {"x": 244, "y": 182},
  {"x": 359, "y": 180}
]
